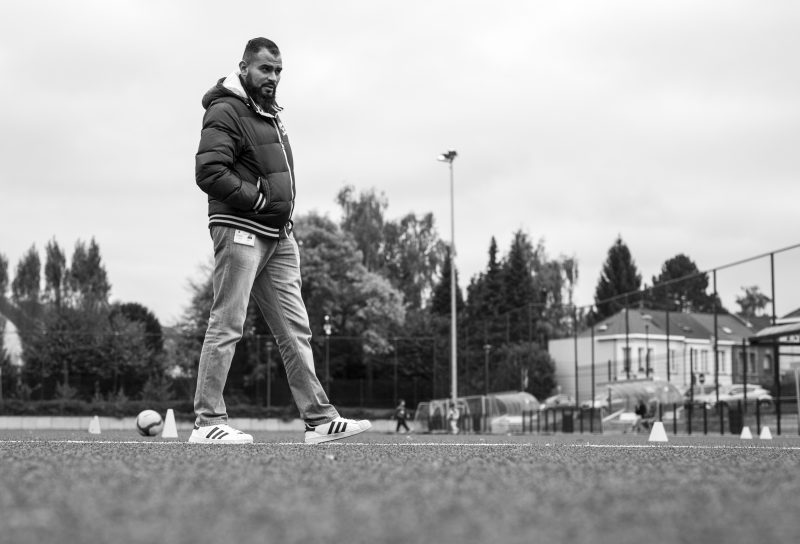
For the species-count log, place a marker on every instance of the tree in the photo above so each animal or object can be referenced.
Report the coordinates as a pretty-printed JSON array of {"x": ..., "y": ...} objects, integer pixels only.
[
  {"x": 441, "y": 301},
  {"x": 335, "y": 282},
  {"x": 363, "y": 219},
  {"x": 137, "y": 313},
  {"x": 26, "y": 287},
  {"x": 686, "y": 295},
  {"x": 517, "y": 277},
  {"x": 55, "y": 273},
  {"x": 3, "y": 275},
  {"x": 753, "y": 302},
  {"x": 413, "y": 255},
  {"x": 619, "y": 276},
  {"x": 3, "y": 288},
  {"x": 87, "y": 278},
  {"x": 485, "y": 294}
]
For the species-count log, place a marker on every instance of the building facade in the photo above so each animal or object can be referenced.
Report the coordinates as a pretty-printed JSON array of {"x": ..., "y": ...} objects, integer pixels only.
[{"x": 641, "y": 343}]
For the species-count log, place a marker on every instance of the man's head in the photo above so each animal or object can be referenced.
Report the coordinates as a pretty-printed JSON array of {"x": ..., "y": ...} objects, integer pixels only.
[{"x": 260, "y": 69}]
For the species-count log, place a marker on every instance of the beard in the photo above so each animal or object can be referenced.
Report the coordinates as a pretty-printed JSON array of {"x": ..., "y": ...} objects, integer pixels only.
[{"x": 264, "y": 95}]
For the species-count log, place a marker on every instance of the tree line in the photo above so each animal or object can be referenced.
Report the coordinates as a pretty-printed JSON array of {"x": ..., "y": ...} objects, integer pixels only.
[{"x": 384, "y": 285}]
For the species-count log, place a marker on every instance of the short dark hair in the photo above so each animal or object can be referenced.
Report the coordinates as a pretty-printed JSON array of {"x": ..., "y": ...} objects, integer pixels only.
[{"x": 257, "y": 44}]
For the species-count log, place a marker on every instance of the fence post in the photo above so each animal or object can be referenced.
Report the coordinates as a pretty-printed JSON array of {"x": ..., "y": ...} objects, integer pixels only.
[
  {"x": 758, "y": 417},
  {"x": 705, "y": 418},
  {"x": 674, "y": 418}
]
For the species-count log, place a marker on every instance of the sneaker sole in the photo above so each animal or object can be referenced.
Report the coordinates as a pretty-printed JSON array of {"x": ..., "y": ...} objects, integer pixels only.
[
  {"x": 231, "y": 442},
  {"x": 337, "y": 436}
]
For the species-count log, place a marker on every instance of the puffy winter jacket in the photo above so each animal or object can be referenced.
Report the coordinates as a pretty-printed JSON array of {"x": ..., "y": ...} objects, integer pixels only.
[{"x": 244, "y": 162}]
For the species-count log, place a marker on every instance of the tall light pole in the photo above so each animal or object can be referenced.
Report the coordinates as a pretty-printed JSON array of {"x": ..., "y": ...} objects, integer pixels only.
[
  {"x": 449, "y": 157},
  {"x": 327, "y": 328}
]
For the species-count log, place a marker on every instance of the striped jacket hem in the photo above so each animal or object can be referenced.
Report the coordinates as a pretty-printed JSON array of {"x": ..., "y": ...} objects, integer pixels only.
[{"x": 246, "y": 225}]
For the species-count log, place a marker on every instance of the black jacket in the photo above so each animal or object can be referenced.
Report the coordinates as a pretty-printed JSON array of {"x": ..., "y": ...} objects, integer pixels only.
[{"x": 244, "y": 162}]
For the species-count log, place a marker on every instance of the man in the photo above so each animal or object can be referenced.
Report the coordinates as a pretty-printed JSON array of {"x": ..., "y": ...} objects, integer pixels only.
[
  {"x": 244, "y": 163},
  {"x": 401, "y": 414}
]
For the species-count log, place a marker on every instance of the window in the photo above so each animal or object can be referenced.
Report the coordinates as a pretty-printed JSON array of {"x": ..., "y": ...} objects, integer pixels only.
[
  {"x": 672, "y": 365},
  {"x": 640, "y": 352},
  {"x": 721, "y": 361},
  {"x": 752, "y": 366},
  {"x": 626, "y": 357},
  {"x": 767, "y": 362},
  {"x": 704, "y": 361}
]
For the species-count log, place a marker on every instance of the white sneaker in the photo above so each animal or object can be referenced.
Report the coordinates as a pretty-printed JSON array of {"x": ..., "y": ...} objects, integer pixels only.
[
  {"x": 219, "y": 434},
  {"x": 336, "y": 429}
]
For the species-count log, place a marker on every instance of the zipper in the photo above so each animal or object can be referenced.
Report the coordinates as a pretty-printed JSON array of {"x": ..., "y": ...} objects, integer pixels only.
[{"x": 288, "y": 166}]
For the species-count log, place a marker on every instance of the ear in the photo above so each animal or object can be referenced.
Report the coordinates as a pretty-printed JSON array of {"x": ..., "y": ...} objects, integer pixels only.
[{"x": 242, "y": 67}]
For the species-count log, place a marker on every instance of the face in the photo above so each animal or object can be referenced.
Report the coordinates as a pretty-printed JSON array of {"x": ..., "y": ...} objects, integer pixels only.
[{"x": 261, "y": 76}]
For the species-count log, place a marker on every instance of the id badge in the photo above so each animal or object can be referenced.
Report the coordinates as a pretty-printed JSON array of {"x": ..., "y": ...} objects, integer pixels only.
[{"x": 244, "y": 238}]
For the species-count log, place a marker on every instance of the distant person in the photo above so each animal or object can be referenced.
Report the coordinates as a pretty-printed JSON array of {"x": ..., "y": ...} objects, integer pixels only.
[
  {"x": 452, "y": 417},
  {"x": 645, "y": 418},
  {"x": 401, "y": 414},
  {"x": 244, "y": 163}
]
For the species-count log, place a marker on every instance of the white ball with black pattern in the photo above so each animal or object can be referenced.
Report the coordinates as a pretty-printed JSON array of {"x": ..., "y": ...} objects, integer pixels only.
[{"x": 149, "y": 423}]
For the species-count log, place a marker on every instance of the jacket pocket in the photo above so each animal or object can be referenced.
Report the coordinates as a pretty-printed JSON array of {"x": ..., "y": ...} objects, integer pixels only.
[{"x": 263, "y": 188}]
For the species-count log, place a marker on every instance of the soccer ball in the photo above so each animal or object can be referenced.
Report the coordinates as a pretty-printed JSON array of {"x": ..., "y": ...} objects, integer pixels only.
[{"x": 149, "y": 423}]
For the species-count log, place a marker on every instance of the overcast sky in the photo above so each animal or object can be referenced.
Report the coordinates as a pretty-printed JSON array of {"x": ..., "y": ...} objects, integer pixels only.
[{"x": 674, "y": 124}]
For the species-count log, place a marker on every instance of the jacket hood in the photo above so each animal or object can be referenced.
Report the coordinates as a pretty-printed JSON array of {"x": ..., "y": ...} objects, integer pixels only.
[{"x": 231, "y": 86}]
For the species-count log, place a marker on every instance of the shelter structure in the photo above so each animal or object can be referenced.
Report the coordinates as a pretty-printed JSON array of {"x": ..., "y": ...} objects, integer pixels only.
[
  {"x": 496, "y": 412},
  {"x": 782, "y": 340}
]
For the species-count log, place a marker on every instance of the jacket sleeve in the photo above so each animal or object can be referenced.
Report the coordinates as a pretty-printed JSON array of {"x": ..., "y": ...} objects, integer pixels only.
[{"x": 220, "y": 144}]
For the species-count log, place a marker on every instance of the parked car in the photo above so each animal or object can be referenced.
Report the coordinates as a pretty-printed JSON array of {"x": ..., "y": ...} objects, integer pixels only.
[
  {"x": 557, "y": 401},
  {"x": 731, "y": 395},
  {"x": 700, "y": 393}
]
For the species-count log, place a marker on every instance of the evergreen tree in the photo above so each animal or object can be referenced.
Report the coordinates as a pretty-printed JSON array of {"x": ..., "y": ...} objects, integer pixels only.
[
  {"x": 687, "y": 295},
  {"x": 485, "y": 295},
  {"x": 441, "y": 302},
  {"x": 517, "y": 277},
  {"x": 619, "y": 276}
]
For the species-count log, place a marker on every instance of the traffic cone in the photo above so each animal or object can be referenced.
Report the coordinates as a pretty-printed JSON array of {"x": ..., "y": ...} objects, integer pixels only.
[
  {"x": 658, "y": 434},
  {"x": 94, "y": 425},
  {"x": 170, "y": 429},
  {"x": 765, "y": 434},
  {"x": 746, "y": 434}
]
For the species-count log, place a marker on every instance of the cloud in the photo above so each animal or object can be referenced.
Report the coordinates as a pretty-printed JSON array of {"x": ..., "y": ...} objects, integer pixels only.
[{"x": 670, "y": 123}]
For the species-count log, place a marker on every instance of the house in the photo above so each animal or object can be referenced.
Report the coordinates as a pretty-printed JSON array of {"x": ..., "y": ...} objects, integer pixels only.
[{"x": 643, "y": 343}]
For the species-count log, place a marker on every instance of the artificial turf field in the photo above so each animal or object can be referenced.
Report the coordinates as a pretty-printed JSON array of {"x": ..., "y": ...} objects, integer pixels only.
[{"x": 118, "y": 487}]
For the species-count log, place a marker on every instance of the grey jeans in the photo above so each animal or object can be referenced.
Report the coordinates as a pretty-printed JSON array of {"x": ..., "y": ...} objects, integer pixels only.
[{"x": 270, "y": 270}]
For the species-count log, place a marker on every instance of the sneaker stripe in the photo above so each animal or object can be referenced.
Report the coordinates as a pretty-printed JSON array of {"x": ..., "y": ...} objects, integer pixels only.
[
  {"x": 212, "y": 431},
  {"x": 344, "y": 427},
  {"x": 217, "y": 433},
  {"x": 330, "y": 428}
]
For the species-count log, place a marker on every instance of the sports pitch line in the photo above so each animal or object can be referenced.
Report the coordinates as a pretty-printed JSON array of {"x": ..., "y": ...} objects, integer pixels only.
[{"x": 758, "y": 445}]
